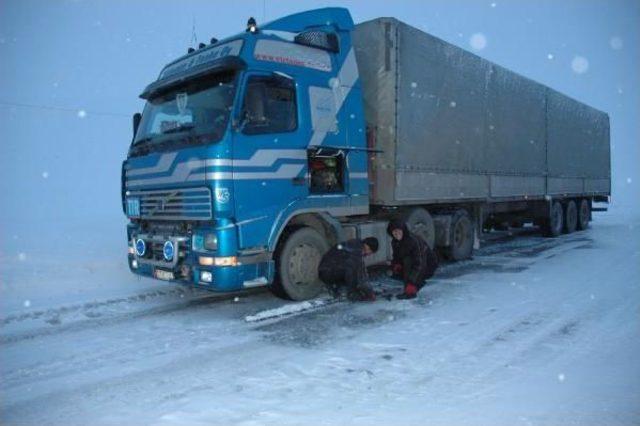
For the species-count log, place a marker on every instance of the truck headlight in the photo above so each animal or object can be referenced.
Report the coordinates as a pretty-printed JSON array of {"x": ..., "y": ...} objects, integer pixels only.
[
  {"x": 211, "y": 242},
  {"x": 205, "y": 242}
]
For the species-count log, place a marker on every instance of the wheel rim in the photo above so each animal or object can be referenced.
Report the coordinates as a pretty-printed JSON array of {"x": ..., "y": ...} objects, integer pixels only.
[
  {"x": 303, "y": 265},
  {"x": 458, "y": 234}
]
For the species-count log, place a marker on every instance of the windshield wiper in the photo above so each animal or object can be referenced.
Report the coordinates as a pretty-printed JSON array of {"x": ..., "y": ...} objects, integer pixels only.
[{"x": 179, "y": 128}]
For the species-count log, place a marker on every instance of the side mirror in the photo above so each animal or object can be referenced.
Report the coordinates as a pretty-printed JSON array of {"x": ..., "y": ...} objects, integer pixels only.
[{"x": 136, "y": 122}]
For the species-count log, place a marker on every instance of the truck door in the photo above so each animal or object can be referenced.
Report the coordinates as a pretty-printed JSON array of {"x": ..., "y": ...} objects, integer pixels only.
[{"x": 270, "y": 158}]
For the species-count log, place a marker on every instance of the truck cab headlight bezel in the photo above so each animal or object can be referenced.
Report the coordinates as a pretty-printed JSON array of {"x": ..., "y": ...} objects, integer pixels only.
[
  {"x": 211, "y": 242},
  {"x": 207, "y": 241}
]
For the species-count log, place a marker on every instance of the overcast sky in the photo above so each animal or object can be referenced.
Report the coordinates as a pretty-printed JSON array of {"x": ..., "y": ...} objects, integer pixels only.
[{"x": 70, "y": 73}]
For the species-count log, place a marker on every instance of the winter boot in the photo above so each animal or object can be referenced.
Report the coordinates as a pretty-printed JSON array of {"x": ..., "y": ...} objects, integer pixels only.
[{"x": 410, "y": 292}]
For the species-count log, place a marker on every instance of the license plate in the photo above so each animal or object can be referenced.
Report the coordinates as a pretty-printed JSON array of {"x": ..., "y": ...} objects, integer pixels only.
[{"x": 164, "y": 275}]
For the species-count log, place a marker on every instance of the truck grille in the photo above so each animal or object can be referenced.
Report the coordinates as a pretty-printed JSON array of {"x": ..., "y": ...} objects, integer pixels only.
[{"x": 174, "y": 204}]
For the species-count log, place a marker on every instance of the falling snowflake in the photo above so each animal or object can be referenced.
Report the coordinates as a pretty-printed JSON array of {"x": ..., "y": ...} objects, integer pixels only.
[
  {"x": 82, "y": 113},
  {"x": 561, "y": 377},
  {"x": 620, "y": 90},
  {"x": 494, "y": 4},
  {"x": 579, "y": 64},
  {"x": 45, "y": 175},
  {"x": 592, "y": 297},
  {"x": 22, "y": 257},
  {"x": 616, "y": 43},
  {"x": 236, "y": 299},
  {"x": 550, "y": 56},
  {"x": 352, "y": 116},
  {"x": 491, "y": 127},
  {"x": 478, "y": 41},
  {"x": 27, "y": 303},
  {"x": 452, "y": 104},
  {"x": 629, "y": 180},
  {"x": 414, "y": 85}
]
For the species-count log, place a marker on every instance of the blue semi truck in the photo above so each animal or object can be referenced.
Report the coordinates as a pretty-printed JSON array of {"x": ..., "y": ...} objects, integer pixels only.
[{"x": 257, "y": 152}]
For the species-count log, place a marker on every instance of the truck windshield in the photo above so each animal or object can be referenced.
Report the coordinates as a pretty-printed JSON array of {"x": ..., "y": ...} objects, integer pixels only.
[{"x": 196, "y": 112}]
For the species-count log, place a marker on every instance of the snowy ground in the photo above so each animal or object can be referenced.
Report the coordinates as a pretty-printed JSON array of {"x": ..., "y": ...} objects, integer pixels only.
[{"x": 531, "y": 331}]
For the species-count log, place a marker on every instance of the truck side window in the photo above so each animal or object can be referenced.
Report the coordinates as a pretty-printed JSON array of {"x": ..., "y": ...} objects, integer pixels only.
[{"x": 269, "y": 106}]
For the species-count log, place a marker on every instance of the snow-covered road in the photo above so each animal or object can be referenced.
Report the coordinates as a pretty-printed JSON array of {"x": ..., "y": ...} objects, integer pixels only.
[{"x": 531, "y": 331}]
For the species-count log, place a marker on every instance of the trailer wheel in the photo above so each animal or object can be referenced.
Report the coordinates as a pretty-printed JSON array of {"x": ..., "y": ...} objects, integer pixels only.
[
  {"x": 421, "y": 223},
  {"x": 461, "y": 236},
  {"x": 570, "y": 217},
  {"x": 554, "y": 223},
  {"x": 584, "y": 214},
  {"x": 297, "y": 265}
]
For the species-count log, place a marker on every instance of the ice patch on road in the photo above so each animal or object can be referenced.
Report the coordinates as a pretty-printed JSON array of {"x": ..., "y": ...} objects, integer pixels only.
[{"x": 287, "y": 310}]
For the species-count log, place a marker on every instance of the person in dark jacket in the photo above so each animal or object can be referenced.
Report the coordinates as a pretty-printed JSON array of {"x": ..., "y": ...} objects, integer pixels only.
[
  {"x": 343, "y": 266},
  {"x": 413, "y": 260}
]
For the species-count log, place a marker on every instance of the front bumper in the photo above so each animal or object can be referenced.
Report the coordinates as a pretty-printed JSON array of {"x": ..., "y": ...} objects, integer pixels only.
[{"x": 186, "y": 268}]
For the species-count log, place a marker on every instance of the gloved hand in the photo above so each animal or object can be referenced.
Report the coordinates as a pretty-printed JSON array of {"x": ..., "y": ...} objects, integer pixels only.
[{"x": 410, "y": 291}]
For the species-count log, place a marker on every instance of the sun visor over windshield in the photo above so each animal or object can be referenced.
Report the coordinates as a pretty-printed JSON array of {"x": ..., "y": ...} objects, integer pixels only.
[{"x": 197, "y": 64}]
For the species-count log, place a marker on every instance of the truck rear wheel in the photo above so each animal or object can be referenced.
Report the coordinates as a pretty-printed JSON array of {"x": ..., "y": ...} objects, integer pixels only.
[
  {"x": 297, "y": 265},
  {"x": 420, "y": 222},
  {"x": 584, "y": 214},
  {"x": 461, "y": 246},
  {"x": 570, "y": 217},
  {"x": 554, "y": 223}
]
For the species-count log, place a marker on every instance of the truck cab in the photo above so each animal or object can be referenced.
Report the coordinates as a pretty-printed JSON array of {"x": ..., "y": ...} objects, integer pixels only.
[{"x": 245, "y": 145}]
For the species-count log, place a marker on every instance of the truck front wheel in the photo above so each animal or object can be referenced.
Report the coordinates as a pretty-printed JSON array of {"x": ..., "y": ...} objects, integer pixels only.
[{"x": 297, "y": 265}]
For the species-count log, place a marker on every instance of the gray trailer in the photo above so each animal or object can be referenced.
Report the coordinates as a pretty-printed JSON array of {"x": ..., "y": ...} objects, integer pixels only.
[{"x": 472, "y": 143}]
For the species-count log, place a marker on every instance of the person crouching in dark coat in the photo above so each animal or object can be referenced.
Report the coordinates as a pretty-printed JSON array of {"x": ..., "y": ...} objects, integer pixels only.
[
  {"x": 343, "y": 266},
  {"x": 413, "y": 260}
]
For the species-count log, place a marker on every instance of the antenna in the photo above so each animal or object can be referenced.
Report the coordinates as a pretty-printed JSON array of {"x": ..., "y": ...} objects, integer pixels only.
[{"x": 194, "y": 37}]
